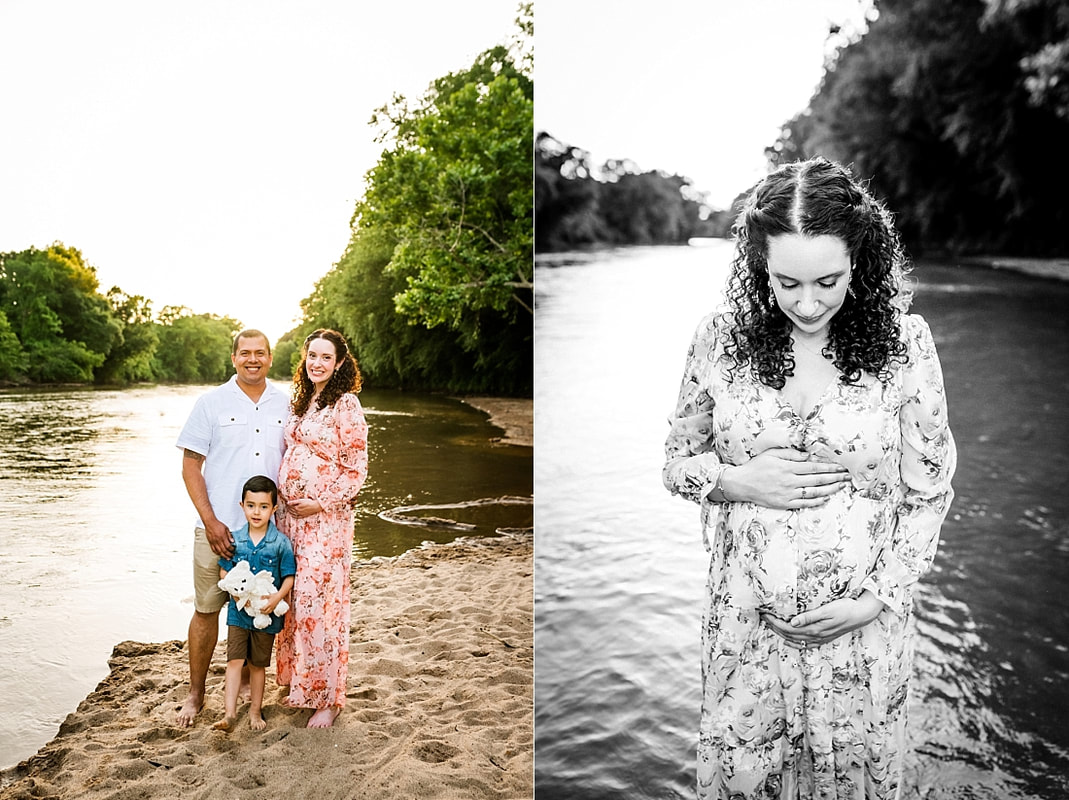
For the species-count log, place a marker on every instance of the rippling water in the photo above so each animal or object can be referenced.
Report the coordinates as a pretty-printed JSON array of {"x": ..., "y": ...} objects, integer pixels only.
[
  {"x": 96, "y": 528},
  {"x": 620, "y": 567}
]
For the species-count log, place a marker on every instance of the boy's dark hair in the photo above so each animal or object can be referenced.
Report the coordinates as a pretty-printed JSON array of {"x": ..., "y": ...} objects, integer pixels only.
[{"x": 260, "y": 483}]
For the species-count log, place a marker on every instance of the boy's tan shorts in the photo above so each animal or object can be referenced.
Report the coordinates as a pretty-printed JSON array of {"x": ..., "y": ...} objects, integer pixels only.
[
  {"x": 253, "y": 647},
  {"x": 208, "y": 598}
]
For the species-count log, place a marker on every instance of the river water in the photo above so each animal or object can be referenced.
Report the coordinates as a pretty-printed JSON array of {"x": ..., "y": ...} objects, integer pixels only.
[
  {"x": 96, "y": 528},
  {"x": 620, "y": 568}
]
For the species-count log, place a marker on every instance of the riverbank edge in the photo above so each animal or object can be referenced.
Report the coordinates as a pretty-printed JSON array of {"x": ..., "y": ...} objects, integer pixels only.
[
  {"x": 1049, "y": 268},
  {"x": 513, "y": 415},
  {"x": 452, "y": 620}
]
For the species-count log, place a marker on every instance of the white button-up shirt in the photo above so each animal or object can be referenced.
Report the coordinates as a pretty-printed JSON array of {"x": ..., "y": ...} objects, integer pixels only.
[{"x": 238, "y": 439}]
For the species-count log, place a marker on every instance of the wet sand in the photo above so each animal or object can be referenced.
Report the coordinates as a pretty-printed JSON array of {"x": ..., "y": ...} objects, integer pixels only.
[{"x": 515, "y": 416}]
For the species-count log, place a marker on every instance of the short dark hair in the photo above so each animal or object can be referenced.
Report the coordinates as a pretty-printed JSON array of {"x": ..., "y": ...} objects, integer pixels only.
[
  {"x": 260, "y": 483},
  {"x": 249, "y": 333}
]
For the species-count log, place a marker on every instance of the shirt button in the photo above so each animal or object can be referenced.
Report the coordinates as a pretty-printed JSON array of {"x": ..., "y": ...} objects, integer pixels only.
[
  {"x": 257, "y": 430},
  {"x": 257, "y": 454}
]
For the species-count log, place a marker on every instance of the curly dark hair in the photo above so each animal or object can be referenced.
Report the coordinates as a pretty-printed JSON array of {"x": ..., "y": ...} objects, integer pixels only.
[
  {"x": 815, "y": 198},
  {"x": 346, "y": 377}
]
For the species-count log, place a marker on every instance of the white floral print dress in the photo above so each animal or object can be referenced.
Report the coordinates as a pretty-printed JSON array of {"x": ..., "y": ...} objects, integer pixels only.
[{"x": 829, "y": 721}]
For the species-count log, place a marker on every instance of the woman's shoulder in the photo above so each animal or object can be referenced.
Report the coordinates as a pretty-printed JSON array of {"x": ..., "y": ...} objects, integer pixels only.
[
  {"x": 713, "y": 326},
  {"x": 915, "y": 331},
  {"x": 348, "y": 403}
]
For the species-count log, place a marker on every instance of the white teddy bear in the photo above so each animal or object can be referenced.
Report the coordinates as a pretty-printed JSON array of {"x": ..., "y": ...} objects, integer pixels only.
[{"x": 249, "y": 591}]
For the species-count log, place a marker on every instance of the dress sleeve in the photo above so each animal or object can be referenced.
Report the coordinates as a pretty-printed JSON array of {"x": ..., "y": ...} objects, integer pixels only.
[
  {"x": 350, "y": 431},
  {"x": 928, "y": 461},
  {"x": 691, "y": 463}
]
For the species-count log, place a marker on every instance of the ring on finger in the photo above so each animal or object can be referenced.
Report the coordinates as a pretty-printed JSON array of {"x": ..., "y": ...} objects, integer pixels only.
[{"x": 804, "y": 488}]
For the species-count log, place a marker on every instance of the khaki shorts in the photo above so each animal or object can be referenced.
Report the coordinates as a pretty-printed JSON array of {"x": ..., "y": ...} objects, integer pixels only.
[
  {"x": 208, "y": 598},
  {"x": 252, "y": 647}
]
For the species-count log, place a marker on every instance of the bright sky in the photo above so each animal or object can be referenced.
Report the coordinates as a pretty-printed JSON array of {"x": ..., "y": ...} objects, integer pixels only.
[
  {"x": 209, "y": 154},
  {"x": 693, "y": 87}
]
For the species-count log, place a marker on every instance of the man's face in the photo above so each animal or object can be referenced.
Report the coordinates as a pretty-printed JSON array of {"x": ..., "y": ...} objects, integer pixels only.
[{"x": 252, "y": 360}]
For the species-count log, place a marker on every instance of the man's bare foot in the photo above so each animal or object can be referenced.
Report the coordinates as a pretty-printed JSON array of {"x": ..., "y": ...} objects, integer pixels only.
[
  {"x": 189, "y": 709},
  {"x": 225, "y": 724},
  {"x": 257, "y": 722},
  {"x": 324, "y": 717}
]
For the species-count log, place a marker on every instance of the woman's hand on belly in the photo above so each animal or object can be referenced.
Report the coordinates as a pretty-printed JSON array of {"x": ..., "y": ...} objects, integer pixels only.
[
  {"x": 303, "y": 507},
  {"x": 783, "y": 478},
  {"x": 827, "y": 622}
]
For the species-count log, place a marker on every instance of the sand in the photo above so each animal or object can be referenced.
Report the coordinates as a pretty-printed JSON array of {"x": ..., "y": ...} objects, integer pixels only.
[
  {"x": 440, "y": 699},
  {"x": 515, "y": 416},
  {"x": 439, "y": 704}
]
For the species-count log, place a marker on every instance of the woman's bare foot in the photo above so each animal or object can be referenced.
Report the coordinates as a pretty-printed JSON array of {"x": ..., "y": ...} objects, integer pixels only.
[
  {"x": 225, "y": 724},
  {"x": 189, "y": 709},
  {"x": 257, "y": 722},
  {"x": 324, "y": 717}
]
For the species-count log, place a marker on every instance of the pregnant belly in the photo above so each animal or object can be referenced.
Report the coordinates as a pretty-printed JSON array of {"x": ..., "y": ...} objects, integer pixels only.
[{"x": 786, "y": 562}]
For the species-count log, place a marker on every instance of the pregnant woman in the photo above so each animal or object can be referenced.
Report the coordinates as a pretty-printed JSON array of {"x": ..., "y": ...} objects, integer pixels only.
[
  {"x": 812, "y": 430},
  {"x": 323, "y": 468}
]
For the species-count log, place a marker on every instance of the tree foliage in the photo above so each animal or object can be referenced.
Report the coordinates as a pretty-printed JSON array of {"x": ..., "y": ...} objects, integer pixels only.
[
  {"x": 957, "y": 112},
  {"x": 56, "y": 327},
  {"x": 622, "y": 206},
  {"x": 194, "y": 348},
  {"x": 51, "y": 302},
  {"x": 434, "y": 289}
]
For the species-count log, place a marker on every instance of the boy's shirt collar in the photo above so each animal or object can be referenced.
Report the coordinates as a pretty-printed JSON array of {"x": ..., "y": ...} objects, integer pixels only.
[{"x": 269, "y": 537}]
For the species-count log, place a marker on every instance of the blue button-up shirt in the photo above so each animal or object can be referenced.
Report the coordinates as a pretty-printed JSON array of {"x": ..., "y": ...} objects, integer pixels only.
[{"x": 274, "y": 553}]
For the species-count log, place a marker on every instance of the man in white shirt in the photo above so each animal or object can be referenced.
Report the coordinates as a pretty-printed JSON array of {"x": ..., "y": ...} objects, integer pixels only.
[{"x": 233, "y": 433}]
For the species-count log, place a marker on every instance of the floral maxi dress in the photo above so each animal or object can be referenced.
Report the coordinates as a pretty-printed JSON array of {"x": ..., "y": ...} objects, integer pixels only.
[
  {"x": 325, "y": 459},
  {"x": 827, "y": 721}
]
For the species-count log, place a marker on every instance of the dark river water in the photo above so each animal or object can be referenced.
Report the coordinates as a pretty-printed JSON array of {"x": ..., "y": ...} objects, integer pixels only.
[
  {"x": 620, "y": 567},
  {"x": 96, "y": 528}
]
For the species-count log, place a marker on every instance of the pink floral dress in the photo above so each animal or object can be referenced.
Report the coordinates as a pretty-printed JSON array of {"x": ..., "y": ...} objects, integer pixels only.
[
  {"x": 829, "y": 721},
  {"x": 326, "y": 460}
]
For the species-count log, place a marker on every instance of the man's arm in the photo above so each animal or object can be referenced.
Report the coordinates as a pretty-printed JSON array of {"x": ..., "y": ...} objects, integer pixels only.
[{"x": 219, "y": 537}]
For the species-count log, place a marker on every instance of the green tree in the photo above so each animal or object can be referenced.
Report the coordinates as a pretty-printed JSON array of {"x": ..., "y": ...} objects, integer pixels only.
[
  {"x": 442, "y": 237},
  {"x": 193, "y": 348},
  {"x": 51, "y": 301},
  {"x": 131, "y": 358},
  {"x": 357, "y": 297},
  {"x": 13, "y": 361}
]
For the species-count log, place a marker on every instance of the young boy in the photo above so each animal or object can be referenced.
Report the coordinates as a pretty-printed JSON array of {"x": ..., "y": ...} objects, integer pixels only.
[{"x": 265, "y": 548}]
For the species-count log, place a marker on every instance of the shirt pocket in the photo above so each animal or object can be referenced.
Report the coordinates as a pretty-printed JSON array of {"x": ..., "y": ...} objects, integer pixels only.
[
  {"x": 268, "y": 562},
  {"x": 233, "y": 430}
]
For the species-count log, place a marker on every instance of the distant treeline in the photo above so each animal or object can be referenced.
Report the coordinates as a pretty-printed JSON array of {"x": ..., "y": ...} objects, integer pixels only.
[
  {"x": 955, "y": 111},
  {"x": 577, "y": 205},
  {"x": 434, "y": 291},
  {"x": 56, "y": 327}
]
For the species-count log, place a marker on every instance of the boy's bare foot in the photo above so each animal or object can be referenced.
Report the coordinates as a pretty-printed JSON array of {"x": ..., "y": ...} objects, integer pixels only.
[
  {"x": 257, "y": 722},
  {"x": 189, "y": 709},
  {"x": 225, "y": 724},
  {"x": 324, "y": 717}
]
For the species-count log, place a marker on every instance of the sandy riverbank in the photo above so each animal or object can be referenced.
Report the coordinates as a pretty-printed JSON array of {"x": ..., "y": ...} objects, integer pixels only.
[
  {"x": 440, "y": 701},
  {"x": 515, "y": 416},
  {"x": 1052, "y": 268}
]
